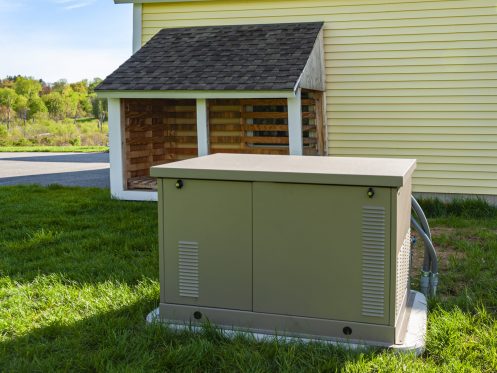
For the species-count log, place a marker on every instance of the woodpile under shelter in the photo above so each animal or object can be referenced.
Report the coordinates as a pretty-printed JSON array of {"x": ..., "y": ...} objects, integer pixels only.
[{"x": 189, "y": 92}]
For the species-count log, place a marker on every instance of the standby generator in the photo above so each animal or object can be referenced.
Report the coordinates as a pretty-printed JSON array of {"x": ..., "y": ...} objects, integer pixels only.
[{"x": 302, "y": 247}]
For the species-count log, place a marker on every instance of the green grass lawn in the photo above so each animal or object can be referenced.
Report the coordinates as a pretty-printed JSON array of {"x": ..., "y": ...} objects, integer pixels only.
[
  {"x": 55, "y": 149},
  {"x": 79, "y": 273}
]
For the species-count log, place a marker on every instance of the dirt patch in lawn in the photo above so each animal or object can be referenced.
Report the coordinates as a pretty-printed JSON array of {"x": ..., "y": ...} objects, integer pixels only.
[
  {"x": 438, "y": 231},
  {"x": 445, "y": 251}
]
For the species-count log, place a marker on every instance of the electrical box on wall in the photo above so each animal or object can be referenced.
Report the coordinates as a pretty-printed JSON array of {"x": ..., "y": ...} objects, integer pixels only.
[{"x": 312, "y": 247}]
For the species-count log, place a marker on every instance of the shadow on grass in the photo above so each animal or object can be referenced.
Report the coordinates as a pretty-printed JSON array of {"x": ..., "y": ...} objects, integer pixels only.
[{"x": 120, "y": 340}]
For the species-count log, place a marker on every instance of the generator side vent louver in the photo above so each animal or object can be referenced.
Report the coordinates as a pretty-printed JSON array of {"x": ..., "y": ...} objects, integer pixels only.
[
  {"x": 188, "y": 269},
  {"x": 373, "y": 261},
  {"x": 403, "y": 267}
]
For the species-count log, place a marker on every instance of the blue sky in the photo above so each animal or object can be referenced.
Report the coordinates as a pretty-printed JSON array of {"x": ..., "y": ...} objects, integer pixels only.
[{"x": 63, "y": 39}]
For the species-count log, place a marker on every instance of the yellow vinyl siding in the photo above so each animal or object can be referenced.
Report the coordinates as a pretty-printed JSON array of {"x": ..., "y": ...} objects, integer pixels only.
[{"x": 405, "y": 78}]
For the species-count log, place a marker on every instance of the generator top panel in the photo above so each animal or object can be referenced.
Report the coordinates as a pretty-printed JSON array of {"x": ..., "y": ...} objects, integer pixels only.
[{"x": 380, "y": 172}]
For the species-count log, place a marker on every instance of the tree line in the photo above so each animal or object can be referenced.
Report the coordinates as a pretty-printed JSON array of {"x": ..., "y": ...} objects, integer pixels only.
[{"x": 25, "y": 98}]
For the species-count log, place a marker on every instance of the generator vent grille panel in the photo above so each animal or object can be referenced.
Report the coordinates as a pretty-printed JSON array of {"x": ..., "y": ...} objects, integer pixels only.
[
  {"x": 403, "y": 268},
  {"x": 188, "y": 263},
  {"x": 373, "y": 261}
]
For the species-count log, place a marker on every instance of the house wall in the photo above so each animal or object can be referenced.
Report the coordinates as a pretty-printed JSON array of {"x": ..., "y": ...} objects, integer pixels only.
[{"x": 405, "y": 78}]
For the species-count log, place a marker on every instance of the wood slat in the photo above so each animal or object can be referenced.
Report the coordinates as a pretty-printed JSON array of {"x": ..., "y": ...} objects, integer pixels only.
[
  {"x": 140, "y": 160},
  {"x": 265, "y": 140},
  {"x": 240, "y": 141},
  {"x": 267, "y": 127},
  {"x": 225, "y": 139},
  {"x": 186, "y": 151},
  {"x": 164, "y": 139},
  {"x": 310, "y": 141},
  {"x": 157, "y": 131},
  {"x": 248, "y": 150},
  {"x": 308, "y": 115},
  {"x": 222, "y": 108},
  {"x": 310, "y": 151},
  {"x": 139, "y": 166},
  {"x": 147, "y": 183},
  {"x": 265, "y": 102},
  {"x": 225, "y": 114},
  {"x": 225, "y": 127},
  {"x": 264, "y": 115}
]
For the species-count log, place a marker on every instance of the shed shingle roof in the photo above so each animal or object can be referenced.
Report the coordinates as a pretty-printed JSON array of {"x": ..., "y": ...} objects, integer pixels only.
[{"x": 244, "y": 57}]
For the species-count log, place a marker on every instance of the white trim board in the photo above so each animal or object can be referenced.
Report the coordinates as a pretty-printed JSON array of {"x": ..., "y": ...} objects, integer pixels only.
[
  {"x": 137, "y": 27},
  {"x": 116, "y": 158},
  {"x": 314, "y": 76},
  {"x": 135, "y": 195},
  {"x": 295, "y": 124},
  {"x": 202, "y": 127},
  {"x": 116, "y": 155},
  {"x": 196, "y": 94}
]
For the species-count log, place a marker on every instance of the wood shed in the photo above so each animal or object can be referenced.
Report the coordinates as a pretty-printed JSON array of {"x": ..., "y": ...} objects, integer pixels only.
[{"x": 255, "y": 89}]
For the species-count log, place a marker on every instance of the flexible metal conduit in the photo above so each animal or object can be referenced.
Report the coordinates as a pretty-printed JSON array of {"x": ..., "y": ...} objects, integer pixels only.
[{"x": 429, "y": 273}]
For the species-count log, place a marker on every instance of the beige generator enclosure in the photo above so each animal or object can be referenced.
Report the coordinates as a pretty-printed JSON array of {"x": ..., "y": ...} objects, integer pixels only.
[{"x": 312, "y": 247}]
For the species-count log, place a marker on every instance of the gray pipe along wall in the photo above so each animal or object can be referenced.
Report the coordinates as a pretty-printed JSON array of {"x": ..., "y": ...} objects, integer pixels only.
[{"x": 429, "y": 273}]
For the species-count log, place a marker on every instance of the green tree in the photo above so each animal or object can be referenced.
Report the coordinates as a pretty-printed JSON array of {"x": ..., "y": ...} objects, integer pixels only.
[
  {"x": 27, "y": 87},
  {"x": 71, "y": 101},
  {"x": 28, "y": 97},
  {"x": 22, "y": 107},
  {"x": 60, "y": 85},
  {"x": 80, "y": 87},
  {"x": 8, "y": 82},
  {"x": 85, "y": 107},
  {"x": 84, "y": 101},
  {"x": 99, "y": 110},
  {"x": 55, "y": 105},
  {"x": 36, "y": 105},
  {"x": 93, "y": 84},
  {"x": 8, "y": 98}
]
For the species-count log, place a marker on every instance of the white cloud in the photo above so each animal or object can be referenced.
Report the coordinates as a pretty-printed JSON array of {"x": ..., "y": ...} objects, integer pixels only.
[{"x": 73, "y": 4}]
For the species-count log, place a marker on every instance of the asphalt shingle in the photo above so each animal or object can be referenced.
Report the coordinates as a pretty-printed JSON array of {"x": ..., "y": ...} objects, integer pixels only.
[{"x": 243, "y": 57}]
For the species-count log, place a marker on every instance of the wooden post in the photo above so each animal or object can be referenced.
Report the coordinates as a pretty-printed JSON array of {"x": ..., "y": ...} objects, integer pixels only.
[
  {"x": 243, "y": 128},
  {"x": 202, "y": 127},
  {"x": 295, "y": 124},
  {"x": 320, "y": 127}
]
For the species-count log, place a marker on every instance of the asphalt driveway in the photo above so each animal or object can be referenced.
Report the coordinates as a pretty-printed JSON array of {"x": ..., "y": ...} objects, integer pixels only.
[{"x": 70, "y": 169}]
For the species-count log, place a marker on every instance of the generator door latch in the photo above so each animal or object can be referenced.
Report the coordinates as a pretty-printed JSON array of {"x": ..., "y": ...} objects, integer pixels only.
[
  {"x": 179, "y": 184},
  {"x": 371, "y": 193}
]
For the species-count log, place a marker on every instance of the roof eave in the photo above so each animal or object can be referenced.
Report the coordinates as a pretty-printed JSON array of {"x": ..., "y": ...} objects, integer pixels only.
[{"x": 187, "y": 94}]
